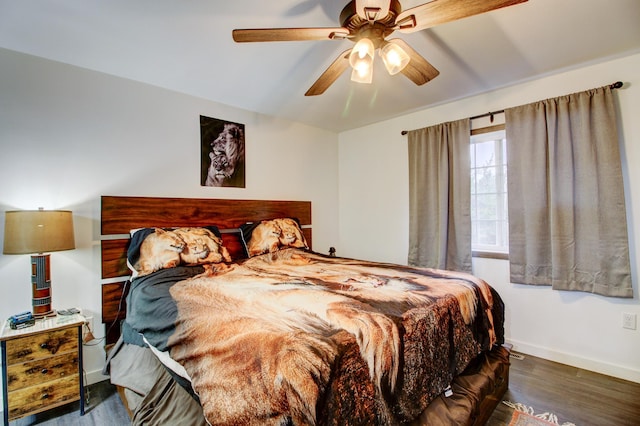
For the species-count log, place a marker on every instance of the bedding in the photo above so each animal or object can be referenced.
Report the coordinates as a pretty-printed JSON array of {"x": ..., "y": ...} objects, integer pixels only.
[
  {"x": 293, "y": 336},
  {"x": 268, "y": 236},
  {"x": 153, "y": 396},
  {"x": 153, "y": 249}
]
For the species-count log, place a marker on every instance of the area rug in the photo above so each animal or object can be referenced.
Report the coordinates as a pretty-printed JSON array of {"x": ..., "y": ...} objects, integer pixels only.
[{"x": 525, "y": 416}]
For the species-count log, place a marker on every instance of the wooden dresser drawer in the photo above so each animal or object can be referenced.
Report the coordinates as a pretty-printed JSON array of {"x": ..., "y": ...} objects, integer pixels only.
[
  {"x": 42, "y": 345},
  {"x": 41, "y": 366},
  {"x": 47, "y": 395},
  {"x": 39, "y": 371}
]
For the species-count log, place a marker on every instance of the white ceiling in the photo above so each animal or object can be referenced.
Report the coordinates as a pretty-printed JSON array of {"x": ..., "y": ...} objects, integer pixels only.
[{"x": 186, "y": 46}]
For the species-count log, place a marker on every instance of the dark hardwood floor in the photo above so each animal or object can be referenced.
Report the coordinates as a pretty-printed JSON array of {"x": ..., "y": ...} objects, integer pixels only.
[{"x": 572, "y": 394}]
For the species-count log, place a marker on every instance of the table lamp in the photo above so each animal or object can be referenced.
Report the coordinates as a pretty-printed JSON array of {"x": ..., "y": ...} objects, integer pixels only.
[{"x": 37, "y": 232}]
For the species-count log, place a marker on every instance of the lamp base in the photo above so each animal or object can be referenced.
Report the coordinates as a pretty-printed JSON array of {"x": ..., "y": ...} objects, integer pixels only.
[
  {"x": 41, "y": 286},
  {"x": 52, "y": 313}
]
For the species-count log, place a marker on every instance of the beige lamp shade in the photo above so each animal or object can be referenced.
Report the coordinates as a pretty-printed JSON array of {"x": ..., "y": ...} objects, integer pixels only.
[{"x": 38, "y": 231}]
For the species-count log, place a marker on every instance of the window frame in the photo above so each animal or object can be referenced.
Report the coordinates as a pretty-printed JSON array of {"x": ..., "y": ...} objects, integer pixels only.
[{"x": 483, "y": 251}]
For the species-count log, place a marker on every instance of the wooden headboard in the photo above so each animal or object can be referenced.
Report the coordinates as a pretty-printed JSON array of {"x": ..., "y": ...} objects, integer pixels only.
[{"x": 119, "y": 215}]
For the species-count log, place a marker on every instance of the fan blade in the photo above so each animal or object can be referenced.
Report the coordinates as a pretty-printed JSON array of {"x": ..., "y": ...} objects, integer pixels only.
[
  {"x": 441, "y": 11},
  {"x": 288, "y": 34},
  {"x": 372, "y": 10},
  {"x": 330, "y": 75},
  {"x": 418, "y": 69}
]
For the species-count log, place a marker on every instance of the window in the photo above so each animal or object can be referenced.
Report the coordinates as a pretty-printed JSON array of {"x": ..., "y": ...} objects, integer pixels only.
[{"x": 489, "y": 218}]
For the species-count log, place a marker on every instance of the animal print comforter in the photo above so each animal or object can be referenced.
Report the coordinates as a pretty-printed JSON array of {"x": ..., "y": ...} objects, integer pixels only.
[{"x": 298, "y": 337}]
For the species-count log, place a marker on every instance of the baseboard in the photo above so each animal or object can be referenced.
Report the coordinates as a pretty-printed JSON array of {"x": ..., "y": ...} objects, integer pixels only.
[
  {"x": 577, "y": 361},
  {"x": 95, "y": 376}
]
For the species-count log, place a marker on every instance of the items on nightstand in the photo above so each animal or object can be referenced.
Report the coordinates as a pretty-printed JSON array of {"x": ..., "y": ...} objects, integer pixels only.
[
  {"x": 22, "y": 320},
  {"x": 41, "y": 365},
  {"x": 70, "y": 311}
]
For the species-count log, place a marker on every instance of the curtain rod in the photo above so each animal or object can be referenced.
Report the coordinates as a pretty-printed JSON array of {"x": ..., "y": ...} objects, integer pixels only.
[{"x": 616, "y": 85}]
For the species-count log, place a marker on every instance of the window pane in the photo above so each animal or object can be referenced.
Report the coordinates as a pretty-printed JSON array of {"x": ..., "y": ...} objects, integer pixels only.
[
  {"x": 485, "y": 154},
  {"x": 473, "y": 181},
  {"x": 486, "y": 232},
  {"x": 486, "y": 180},
  {"x": 504, "y": 178},
  {"x": 473, "y": 207},
  {"x": 505, "y": 233},
  {"x": 505, "y": 207},
  {"x": 487, "y": 207}
]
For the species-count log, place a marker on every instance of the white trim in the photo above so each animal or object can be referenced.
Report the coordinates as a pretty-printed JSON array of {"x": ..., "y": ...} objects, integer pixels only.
[
  {"x": 573, "y": 360},
  {"x": 94, "y": 376}
]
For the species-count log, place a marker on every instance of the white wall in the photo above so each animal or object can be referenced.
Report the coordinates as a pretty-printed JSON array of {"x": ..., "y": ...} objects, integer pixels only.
[
  {"x": 574, "y": 328},
  {"x": 69, "y": 135}
]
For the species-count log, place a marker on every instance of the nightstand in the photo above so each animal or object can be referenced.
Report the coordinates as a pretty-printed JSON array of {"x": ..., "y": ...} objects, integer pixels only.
[{"x": 42, "y": 366}]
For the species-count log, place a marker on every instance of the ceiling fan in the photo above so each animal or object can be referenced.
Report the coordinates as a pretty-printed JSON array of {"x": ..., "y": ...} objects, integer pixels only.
[{"x": 368, "y": 23}]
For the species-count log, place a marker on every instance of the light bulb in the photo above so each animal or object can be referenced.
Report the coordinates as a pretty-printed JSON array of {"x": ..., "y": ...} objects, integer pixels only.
[
  {"x": 363, "y": 48},
  {"x": 394, "y": 58},
  {"x": 361, "y": 60},
  {"x": 362, "y": 74}
]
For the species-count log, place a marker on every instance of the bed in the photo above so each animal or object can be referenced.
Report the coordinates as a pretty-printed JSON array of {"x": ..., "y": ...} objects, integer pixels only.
[{"x": 261, "y": 329}]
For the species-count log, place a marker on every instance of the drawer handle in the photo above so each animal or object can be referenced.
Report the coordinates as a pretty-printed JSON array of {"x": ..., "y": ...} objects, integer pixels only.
[
  {"x": 23, "y": 353},
  {"x": 44, "y": 371},
  {"x": 44, "y": 396},
  {"x": 44, "y": 345}
]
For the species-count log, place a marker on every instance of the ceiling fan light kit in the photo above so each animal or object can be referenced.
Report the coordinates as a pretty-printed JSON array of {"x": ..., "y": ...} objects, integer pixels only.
[
  {"x": 368, "y": 23},
  {"x": 362, "y": 75},
  {"x": 361, "y": 61},
  {"x": 394, "y": 58}
]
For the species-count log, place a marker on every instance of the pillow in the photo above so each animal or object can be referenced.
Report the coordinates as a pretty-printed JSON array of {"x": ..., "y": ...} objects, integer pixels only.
[
  {"x": 152, "y": 249},
  {"x": 272, "y": 235},
  {"x": 202, "y": 245}
]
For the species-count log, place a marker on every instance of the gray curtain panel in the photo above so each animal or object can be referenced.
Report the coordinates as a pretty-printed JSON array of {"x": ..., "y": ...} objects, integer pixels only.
[
  {"x": 439, "y": 196},
  {"x": 567, "y": 217}
]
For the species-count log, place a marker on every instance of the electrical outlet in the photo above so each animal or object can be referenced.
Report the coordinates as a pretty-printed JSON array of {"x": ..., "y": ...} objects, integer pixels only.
[{"x": 629, "y": 320}]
